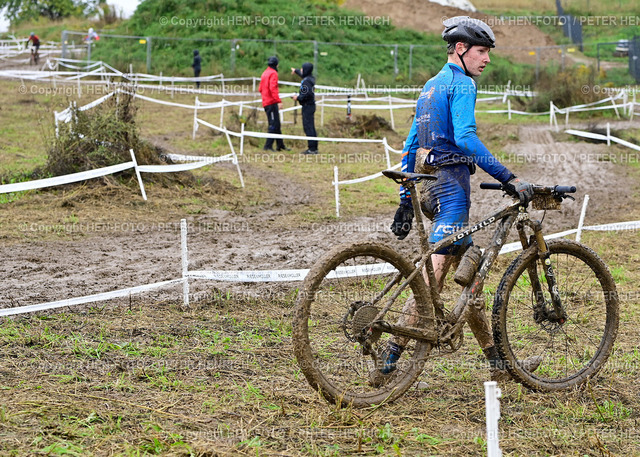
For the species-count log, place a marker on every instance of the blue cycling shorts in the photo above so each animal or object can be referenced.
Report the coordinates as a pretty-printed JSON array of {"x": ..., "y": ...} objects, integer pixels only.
[{"x": 449, "y": 199}]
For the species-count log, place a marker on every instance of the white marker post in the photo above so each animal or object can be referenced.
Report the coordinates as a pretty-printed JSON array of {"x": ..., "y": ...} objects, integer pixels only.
[
  {"x": 135, "y": 167},
  {"x": 337, "y": 191},
  {"x": 185, "y": 262},
  {"x": 492, "y": 404},
  {"x": 582, "y": 214}
]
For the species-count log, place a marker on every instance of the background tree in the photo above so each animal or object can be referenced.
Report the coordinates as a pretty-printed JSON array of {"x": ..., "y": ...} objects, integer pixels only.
[{"x": 20, "y": 10}]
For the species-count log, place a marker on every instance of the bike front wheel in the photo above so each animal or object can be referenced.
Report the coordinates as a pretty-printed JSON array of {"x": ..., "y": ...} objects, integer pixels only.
[
  {"x": 342, "y": 294},
  {"x": 571, "y": 349}
]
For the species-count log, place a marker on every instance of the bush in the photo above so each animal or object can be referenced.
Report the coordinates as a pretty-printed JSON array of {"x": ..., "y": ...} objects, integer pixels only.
[
  {"x": 100, "y": 137},
  {"x": 565, "y": 88}
]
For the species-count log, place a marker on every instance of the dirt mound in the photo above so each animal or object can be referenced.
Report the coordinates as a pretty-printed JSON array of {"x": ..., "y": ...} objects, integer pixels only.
[
  {"x": 365, "y": 126},
  {"x": 513, "y": 40}
]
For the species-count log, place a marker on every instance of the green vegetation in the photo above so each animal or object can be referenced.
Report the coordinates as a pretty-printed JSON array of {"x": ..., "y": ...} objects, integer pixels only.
[
  {"x": 177, "y": 28},
  {"x": 23, "y": 10}
]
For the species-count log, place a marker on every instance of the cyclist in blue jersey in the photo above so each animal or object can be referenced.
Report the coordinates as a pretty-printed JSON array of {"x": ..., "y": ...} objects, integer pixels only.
[{"x": 443, "y": 142}]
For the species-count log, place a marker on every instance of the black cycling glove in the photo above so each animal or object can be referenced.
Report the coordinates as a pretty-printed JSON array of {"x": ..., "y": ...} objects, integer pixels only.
[
  {"x": 402, "y": 220},
  {"x": 521, "y": 188}
]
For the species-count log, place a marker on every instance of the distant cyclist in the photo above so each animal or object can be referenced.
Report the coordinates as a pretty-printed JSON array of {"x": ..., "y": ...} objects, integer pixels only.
[
  {"x": 443, "y": 142},
  {"x": 33, "y": 38}
]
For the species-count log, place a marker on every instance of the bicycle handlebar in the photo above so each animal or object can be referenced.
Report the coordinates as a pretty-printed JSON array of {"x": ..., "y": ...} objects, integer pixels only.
[
  {"x": 564, "y": 189},
  {"x": 536, "y": 189},
  {"x": 491, "y": 186}
]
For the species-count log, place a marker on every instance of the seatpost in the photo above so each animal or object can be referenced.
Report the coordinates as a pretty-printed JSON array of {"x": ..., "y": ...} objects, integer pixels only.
[{"x": 417, "y": 211}]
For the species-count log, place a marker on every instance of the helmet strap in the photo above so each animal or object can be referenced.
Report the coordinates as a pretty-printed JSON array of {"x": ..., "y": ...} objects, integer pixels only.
[{"x": 461, "y": 57}]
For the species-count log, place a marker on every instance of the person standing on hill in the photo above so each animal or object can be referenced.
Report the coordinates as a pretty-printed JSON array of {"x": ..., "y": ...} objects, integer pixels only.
[
  {"x": 307, "y": 100},
  {"x": 271, "y": 102},
  {"x": 196, "y": 65}
]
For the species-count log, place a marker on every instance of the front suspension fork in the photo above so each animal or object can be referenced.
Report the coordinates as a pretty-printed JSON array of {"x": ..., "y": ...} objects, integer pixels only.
[{"x": 540, "y": 310}]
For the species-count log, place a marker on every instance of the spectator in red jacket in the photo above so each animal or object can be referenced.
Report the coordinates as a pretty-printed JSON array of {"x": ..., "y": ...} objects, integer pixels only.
[{"x": 271, "y": 102}]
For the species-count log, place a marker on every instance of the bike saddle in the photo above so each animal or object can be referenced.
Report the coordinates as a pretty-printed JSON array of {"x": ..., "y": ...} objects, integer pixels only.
[{"x": 402, "y": 176}]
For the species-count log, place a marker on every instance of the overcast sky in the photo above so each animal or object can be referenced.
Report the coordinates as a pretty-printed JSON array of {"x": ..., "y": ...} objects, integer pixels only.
[{"x": 127, "y": 6}]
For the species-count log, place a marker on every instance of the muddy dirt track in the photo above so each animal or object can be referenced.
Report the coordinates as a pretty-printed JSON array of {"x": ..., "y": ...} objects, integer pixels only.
[{"x": 124, "y": 254}]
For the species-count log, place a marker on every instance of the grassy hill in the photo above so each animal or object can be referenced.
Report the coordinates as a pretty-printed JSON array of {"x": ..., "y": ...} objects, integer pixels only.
[{"x": 191, "y": 24}]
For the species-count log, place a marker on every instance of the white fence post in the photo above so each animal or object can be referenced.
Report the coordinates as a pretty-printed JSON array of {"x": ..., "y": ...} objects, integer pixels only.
[
  {"x": 386, "y": 151},
  {"x": 185, "y": 262},
  {"x": 337, "y": 191},
  {"x": 235, "y": 156},
  {"x": 615, "y": 106},
  {"x": 581, "y": 220},
  {"x": 393, "y": 124},
  {"x": 509, "y": 108},
  {"x": 242, "y": 138},
  {"x": 492, "y": 404},
  {"x": 608, "y": 134},
  {"x": 506, "y": 92},
  {"x": 195, "y": 118},
  {"x": 135, "y": 167}
]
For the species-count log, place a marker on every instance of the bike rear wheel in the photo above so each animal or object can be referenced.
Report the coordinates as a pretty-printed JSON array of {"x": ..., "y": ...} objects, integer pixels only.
[
  {"x": 574, "y": 350},
  {"x": 337, "y": 302}
]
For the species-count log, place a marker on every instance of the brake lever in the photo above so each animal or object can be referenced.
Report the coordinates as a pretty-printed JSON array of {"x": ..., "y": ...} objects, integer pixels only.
[{"x": 563, "y": 196}]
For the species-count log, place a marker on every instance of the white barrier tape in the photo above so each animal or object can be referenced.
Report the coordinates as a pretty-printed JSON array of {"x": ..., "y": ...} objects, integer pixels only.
[
  {"x": 340, "y": 98},
  {"x": 202, "y": 104},
  {"x": 613, "y": 227},
  {"x": 96, "y": 102},
  {"x": 513, "y": 111},
  {"x": 366, "y": 178},
  {"x": 172, "y": 168},
  {"x": 517, "y": 246},
  {"x": 65, "y": 179},
  {"x": 397, "y": 151},
  {"x": 162, "y": 102},
  {"x": 169, "y": 79},
  {"x": 624, "y": 143},
  {"x": 288, "y": 275},
  {"x": 250, "y": 275},
  {"x": 183, "y": 158},
  {"x": 87, "y": 299},
  {"x": 594, "y": 136},
  {"x": 299, "y": 137},
  {"x": 373, "y": 107},
  {"x": 597, "y": 136},
  {"x": 289, "y": 137},
  {"x": 219, "y": 129},
  {"x": 97, "y": 71}
]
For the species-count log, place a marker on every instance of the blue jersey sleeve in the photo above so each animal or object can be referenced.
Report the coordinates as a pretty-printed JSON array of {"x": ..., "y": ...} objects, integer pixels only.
[
  {"x": 463, "y": 102},
  {"x": 409, "y": 156}
]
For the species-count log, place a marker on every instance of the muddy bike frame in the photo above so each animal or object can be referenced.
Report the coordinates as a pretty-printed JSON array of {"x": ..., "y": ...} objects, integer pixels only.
[{"x": 505, "y": 218}]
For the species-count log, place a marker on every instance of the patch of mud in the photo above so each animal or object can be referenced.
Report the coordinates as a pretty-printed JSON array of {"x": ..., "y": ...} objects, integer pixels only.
[
  {"x": 254, "y": 236},
  {"x": 512, "y": 40}
]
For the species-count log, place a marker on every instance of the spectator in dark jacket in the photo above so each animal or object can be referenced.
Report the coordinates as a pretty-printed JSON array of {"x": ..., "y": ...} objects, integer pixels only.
[
  {"x": 196, "y": 65},
  {"x": 271, "y": 102},
  {"x": 307, "y": 99}
]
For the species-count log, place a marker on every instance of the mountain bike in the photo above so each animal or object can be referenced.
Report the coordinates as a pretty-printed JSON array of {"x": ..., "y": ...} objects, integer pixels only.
[
  {"x": 35, "y": 56},
  {"x": 557, "y": 300}
]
